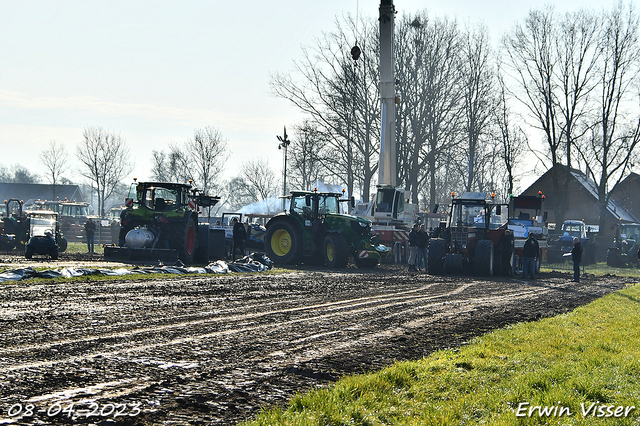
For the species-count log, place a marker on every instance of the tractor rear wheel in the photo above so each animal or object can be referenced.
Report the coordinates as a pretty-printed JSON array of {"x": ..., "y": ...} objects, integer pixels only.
[
  {"x": 283, "y": 243},
  {"x": 184, "y": 240},
  {"x": 483, "y": 258},
  {"x": 54, "y": 253},
  {"x": 335, "y": 251},
  {"x": 435, "y": 256}
]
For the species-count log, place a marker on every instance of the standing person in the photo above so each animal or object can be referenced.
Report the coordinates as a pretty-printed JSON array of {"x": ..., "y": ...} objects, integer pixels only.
[
  {"x": 529, "y": 254},
  {"x": 239, "y": 238},
  {"x": 413, "y": 247},
  {"x": 90, "y": 231},
  {"x": 576, "y": 256},
  {"x": 423, "y": 241}
]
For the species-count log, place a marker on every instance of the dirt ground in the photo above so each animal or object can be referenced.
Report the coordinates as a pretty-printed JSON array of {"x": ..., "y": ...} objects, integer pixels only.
[{"x": 217, "y": 349}]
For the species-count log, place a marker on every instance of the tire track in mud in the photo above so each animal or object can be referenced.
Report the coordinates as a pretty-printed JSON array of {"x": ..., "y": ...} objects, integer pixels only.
[
  {"x": 218, "y": 349},
  {"x": 343, "y": 308}
]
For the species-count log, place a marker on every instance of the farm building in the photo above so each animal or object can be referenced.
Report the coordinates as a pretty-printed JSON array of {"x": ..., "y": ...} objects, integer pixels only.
[
  {"x": 570, "y": 195},
  {"x": 29, "y": 192}
]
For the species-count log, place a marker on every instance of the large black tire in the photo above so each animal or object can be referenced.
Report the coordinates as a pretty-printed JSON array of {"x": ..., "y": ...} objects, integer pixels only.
[
  {"x": 62, "y": 244},
  {"x": 28, "y": 253},
  {"x": 335, "y": 251},
  {"x": 483, "y": 259},
  {"x": 435, "y": 264},
  {"x": 184, "y": 240},
  {"x": 613, "y": 257},
  {"x": 54, "y": 253},
  {"x": 283, "y": 243}
]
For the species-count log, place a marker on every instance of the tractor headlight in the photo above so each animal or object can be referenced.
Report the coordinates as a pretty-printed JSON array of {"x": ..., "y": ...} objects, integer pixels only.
[{"x": 363, "y": 224}]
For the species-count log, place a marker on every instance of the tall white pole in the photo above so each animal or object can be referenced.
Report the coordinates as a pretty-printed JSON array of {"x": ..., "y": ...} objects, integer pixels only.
[{"x": 387, "y": 173}]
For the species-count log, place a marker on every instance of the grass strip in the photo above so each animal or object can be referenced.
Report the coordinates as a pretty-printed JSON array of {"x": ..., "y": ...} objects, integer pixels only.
[{"x": 573, "y": 369}]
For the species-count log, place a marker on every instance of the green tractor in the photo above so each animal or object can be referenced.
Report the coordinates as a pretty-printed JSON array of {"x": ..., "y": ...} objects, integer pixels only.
[
  {"x": 314, "y": 231},
  {"x": 626, "y": 243},
  {"x": 161, "y": 222}
]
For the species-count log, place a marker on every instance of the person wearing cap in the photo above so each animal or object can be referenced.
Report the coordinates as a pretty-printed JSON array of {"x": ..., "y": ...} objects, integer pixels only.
[
  {"x": 239, "y": 238},
  {"x": 576, "y": 256}
]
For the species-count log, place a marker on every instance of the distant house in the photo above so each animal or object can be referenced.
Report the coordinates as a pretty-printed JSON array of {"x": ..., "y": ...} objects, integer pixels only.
[
  {"x": 627, "y": 194},
  {"x": 29, "y": 192},
  {"x": 577, "y": 199}
]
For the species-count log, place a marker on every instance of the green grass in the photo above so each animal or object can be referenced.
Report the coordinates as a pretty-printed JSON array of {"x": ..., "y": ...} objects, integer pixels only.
[
  {"x": 591, "y": 355},
  {"x": 80, "y": 247}
]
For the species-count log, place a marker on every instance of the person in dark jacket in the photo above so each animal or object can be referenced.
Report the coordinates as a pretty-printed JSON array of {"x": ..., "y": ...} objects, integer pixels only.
[
  {"x": 423, "y": 241},
  {"x": 529, "y": 254},
  {"x": 413, "y": 247},
  {"x": 90, "y": 232},
  {"x": 576, "y": 256},
  {"x": 239, "y": 238}
]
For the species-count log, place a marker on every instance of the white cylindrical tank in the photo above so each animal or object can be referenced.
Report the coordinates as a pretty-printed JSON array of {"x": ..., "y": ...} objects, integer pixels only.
[{"x": 139, "y": 238}]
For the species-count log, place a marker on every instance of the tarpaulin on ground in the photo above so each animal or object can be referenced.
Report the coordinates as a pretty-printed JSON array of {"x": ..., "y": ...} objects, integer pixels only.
[{"x": 251, "y": 263}]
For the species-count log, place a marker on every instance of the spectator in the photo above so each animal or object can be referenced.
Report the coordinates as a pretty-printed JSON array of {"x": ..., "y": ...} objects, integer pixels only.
[
  {"x": 423, "y": 241},
  {"x": 239, "y": 238},
  {"x": 413, "y": 248},
  {"x": 90, "y": 232},
  {"x": 576, "y": 256},
  {"x": 529, "y": 254}
]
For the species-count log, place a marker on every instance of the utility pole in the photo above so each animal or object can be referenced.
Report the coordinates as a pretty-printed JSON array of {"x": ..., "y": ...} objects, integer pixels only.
[{"x": 284, "y": 144}]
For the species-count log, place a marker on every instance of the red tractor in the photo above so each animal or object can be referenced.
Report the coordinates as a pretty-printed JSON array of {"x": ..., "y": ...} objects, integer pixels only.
[{"x": 475, "y": 240}]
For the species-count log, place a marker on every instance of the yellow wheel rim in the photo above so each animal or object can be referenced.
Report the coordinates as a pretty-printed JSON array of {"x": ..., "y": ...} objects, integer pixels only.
[
  {"x": 330, "y": 252},
  {"x": 281, "y": 242}
]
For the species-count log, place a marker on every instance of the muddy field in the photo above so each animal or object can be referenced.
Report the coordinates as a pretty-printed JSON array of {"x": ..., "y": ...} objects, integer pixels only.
[{"x": 216, "y": 349}]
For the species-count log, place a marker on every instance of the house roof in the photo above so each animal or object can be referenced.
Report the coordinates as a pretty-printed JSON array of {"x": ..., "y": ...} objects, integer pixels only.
[
  {"x": 614, "y": 208},
  {"x": 35, "y": 191}
]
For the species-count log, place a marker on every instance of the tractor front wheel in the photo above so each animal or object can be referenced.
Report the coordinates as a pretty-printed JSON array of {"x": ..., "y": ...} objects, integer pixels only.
[
  {"x": 336, "y": 253},
  {"x": 283, "y": 243},
  {"x": 436, "y": 253},
  {"x": 483, "y": 258}
]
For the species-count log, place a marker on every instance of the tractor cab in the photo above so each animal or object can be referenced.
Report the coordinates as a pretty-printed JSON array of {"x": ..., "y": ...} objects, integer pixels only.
[{"x": 45, "y": 237}]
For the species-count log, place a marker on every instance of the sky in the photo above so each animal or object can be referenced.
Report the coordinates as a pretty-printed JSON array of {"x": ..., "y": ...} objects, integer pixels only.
[{"x": 153, "y": 71}]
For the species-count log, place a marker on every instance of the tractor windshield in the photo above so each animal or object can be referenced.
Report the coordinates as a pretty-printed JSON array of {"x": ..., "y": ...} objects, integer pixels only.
[
  {"x": 572, "y": 230},
  {"x": 630, "y": 232},
  {"x": 468, "y": 215},
  {"x": 40, "y": 225},
  {"x": 158, "y": 198},
  {"x": 328, "y": 205}
]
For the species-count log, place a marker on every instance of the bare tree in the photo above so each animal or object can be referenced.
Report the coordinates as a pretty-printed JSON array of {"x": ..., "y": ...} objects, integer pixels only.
[
  {"x": 104, "y": 158},
  {"x": 511, "y": 138},
  {"x": 341, "y": 99},
  {"x": 609, "y": 152},
  {"x": 202, "y": 158},
  {"x": 167, "y": 166},
  {"x": 532, "y": 61},
  {"x": 20, "y": 174},
  {"x": 578, "y": 53},
  {"x": 54, "y": 160},
  {"x": 478, "y": 87},
  {"x": 428, "y": 70},
  {"x": 256, "y": 182},
  {"x": 307, "y": 154}
]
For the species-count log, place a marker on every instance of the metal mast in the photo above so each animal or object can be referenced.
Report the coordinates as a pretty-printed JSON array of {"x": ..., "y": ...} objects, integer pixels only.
[{"x": 387, "y": 173}]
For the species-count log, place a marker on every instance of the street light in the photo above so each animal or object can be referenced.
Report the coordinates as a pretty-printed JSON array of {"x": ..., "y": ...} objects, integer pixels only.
[{"x": 284, "y": 144}]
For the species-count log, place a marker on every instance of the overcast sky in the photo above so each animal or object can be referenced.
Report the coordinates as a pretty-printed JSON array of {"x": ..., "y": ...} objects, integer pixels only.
[{"x": 154, "y": 70}]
